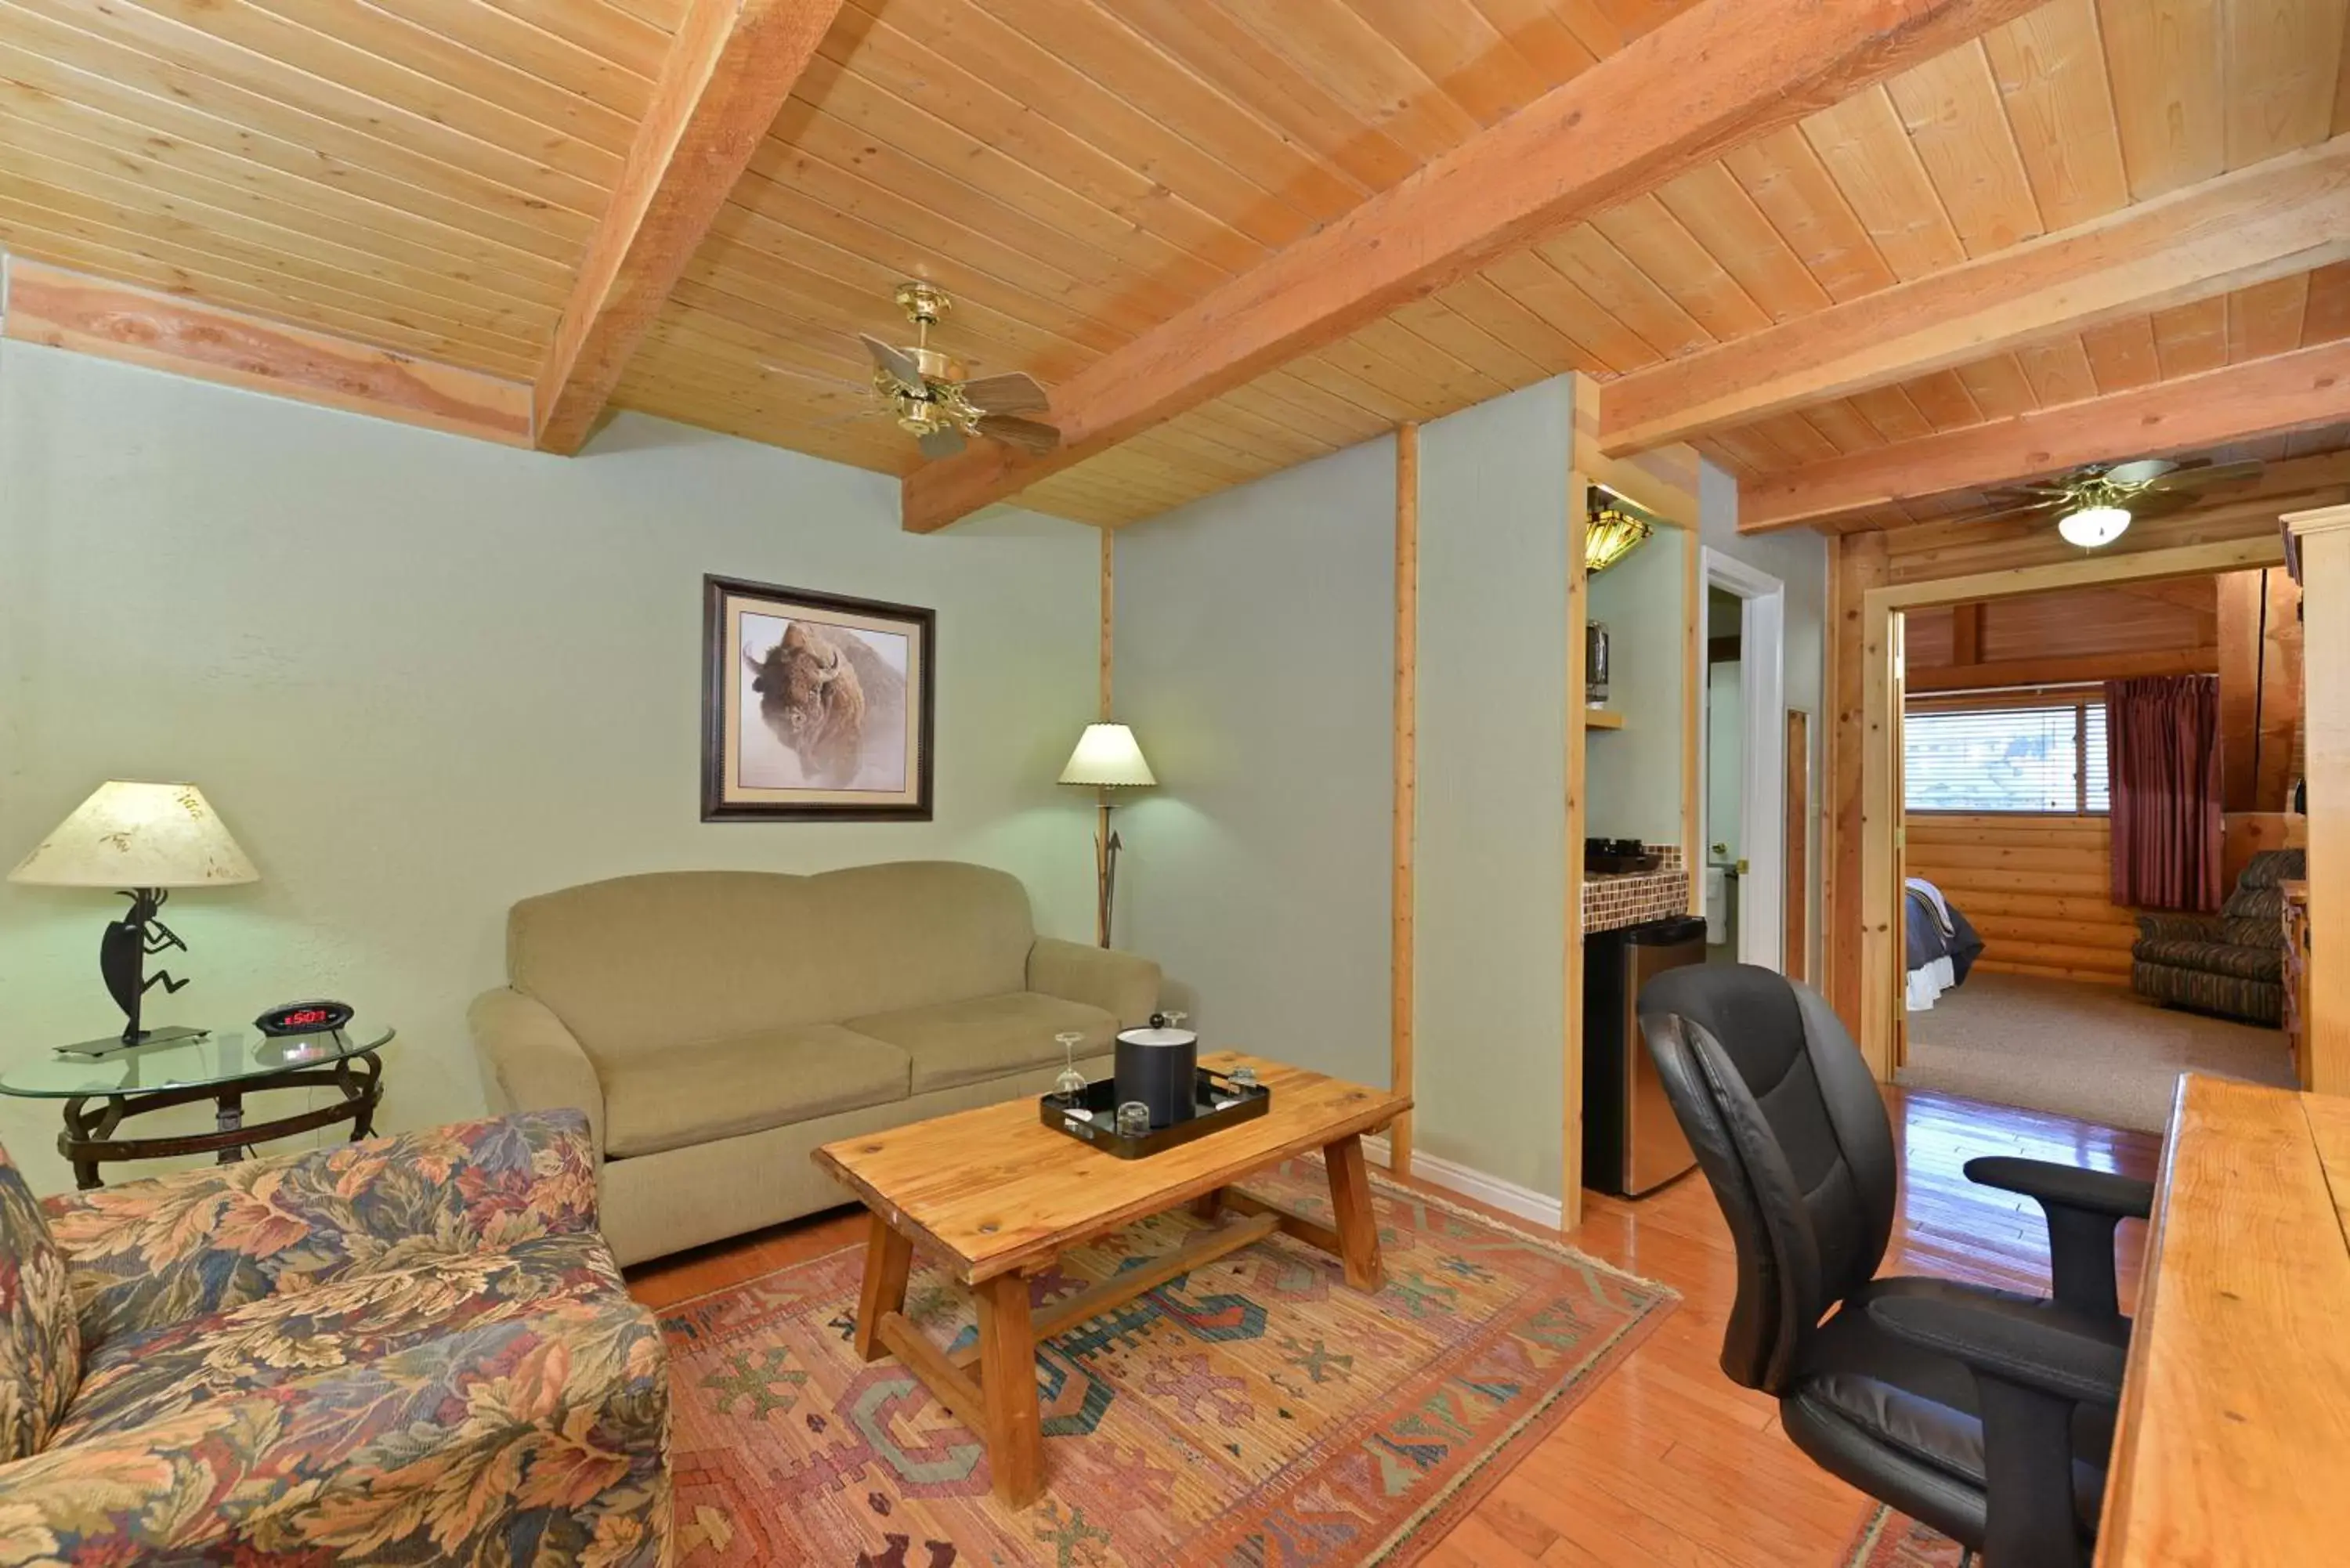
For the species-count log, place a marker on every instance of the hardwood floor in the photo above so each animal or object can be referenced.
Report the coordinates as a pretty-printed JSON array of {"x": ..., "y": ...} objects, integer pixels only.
[{"x": 1668, "y": 1464}]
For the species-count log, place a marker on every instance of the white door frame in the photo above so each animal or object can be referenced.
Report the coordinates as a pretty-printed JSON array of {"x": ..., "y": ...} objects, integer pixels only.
[{"x": 1762, "y": 653}]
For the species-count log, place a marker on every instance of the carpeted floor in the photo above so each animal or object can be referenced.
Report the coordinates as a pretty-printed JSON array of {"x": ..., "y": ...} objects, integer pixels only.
[
  {"x": 1254, "y": 1411},
  {"x": 2094, "y": 1052}
]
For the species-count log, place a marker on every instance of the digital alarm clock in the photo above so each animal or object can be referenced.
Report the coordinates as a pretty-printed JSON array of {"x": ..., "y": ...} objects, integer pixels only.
[{"x": 303, "y": 1018}]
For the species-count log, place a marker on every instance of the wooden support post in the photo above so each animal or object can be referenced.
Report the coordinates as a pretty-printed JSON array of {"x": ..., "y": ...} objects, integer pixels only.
[
  {"x": 2324, "y": 539},
  {"x": 1400, "y": 999}
]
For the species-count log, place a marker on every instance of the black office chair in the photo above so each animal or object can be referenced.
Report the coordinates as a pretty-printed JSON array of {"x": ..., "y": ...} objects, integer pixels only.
[{"x": 1986, "y": 1414}]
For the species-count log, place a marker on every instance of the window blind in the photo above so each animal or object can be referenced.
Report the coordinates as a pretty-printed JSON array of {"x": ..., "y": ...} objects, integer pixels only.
[{"x": 2043, "y": 758}]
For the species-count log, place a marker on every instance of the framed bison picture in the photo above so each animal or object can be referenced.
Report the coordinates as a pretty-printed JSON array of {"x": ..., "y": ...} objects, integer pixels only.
[{"x": 814, "y": 706}]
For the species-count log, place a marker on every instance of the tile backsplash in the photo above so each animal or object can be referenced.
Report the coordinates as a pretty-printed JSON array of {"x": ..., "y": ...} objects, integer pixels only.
[{"x": 1635, "y": 897}]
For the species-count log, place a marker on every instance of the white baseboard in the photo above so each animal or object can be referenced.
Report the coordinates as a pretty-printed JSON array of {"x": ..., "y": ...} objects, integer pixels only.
[{"x": 1506, "y": 1196}]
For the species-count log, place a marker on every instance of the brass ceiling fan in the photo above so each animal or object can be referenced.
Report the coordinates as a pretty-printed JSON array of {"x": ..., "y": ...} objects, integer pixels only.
[
  {"x": 931, "y": 397},
  {"x": 2094, "y": 506}
]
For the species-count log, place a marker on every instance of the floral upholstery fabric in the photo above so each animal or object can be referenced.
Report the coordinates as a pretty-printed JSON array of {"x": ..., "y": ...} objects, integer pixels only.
[
  {"x": 40, "y": 1350},
  {"x": 149, "y": 1253},
  {"x": 412, "y": 1351}
]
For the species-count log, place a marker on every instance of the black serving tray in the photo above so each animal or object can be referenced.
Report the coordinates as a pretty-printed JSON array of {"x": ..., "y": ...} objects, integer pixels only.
[{"x": 1219, "y": 1103}]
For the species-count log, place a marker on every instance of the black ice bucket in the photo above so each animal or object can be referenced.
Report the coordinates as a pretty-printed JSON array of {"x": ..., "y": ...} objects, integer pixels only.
[{"x": 1158, "y": 1066}]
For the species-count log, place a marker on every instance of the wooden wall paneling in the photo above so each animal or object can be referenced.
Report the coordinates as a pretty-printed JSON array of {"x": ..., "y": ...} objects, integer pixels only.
[
  {"x": 1798, "y": 883},
  {"x": 91, "y": 316},
  {"x": 1584, "y": 418},
  {"x": 1402, "y": 1036},
  {"x": 1506, "y": 186},
  {"x": 2291, "y": 391},
  {"x": 1857, "y": 564},
  {"x": 1881, "y": 994},
  {"x": 728, "y": 72},
  {"x": 2064, "y": 670},
  {"x": 2033, "y": 888},
  {"x": 2324, "y": 541},
  {"x": 2277, "y": 761},
  {"x": 2280, "y": 218}
]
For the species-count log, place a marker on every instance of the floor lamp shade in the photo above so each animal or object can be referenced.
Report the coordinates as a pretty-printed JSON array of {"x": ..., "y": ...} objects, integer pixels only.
[
  {"x": 139, "y": 835},
  {"x": 1107, "y": 758}
]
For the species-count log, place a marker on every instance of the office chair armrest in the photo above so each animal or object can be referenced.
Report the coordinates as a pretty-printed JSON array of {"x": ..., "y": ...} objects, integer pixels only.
[
  {"x": 2082, "y": 1207},
  {"x": 2037, "y": 1351},
  {"x": 2032, "y": 1372},
  {"x": 2091, "y": 1191}
]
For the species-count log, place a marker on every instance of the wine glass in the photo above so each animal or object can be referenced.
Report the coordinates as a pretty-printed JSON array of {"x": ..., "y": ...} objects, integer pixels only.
[
  {"x": 1175, "y": 1020},
  {"x": 1071, "y": 1085}
]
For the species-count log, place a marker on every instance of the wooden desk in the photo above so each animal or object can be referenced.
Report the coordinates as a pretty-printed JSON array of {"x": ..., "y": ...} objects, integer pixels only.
[{"x": 2233, "y": 1445}]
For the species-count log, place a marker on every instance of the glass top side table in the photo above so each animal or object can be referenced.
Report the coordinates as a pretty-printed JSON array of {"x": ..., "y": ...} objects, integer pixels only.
[{"x": 222, "y": 1067}]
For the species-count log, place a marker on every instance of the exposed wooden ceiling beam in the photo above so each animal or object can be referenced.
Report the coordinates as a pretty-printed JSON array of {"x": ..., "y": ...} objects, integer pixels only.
[
  {"x": 2299, "y": 391},
  {"x": 1680, "y": 96},
  {"x": 2287, "y": 215},
  {"x": 729, "y": 68},
  {"x": 164, "y": 332}
]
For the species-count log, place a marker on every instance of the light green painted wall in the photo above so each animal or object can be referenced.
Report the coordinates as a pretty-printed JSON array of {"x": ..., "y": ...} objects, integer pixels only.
[
  {"x": 420, "y": 677},
  {"x": 1491, "y": 866},
  {"x": 1634, "y": 773},
  {"x": 1255, "y": 660}
]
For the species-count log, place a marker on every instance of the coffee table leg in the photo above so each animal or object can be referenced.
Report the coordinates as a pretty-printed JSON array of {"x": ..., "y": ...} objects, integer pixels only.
[
  {"x": 1350, "y": 1204},
  {"x": 1007, "y": 1382},
  {"x": 1208, "y": 1206},
  {"x": 888, "y": 1257}
]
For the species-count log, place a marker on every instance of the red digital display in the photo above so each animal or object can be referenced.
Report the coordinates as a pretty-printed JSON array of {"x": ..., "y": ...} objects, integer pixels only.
[{"x": 308, "y": 1015}]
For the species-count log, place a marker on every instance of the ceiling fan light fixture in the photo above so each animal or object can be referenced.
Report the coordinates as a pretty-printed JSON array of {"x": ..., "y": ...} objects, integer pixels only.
[{"x": 2093, "y": 526}]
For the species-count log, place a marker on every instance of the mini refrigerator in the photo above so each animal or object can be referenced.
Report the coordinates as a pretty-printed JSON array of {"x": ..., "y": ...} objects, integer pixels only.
[{"x": 1632, "y": 1143}]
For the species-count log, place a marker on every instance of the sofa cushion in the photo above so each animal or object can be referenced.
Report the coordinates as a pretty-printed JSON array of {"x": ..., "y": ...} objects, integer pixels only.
[
  {"x": 693, "y": 1094},
  {"x": 633, "y": 965},
  {"x": 2212, "y": 958},
  {"x": 40, "y": 1348},
  {"x": 988, "y": 1037}
]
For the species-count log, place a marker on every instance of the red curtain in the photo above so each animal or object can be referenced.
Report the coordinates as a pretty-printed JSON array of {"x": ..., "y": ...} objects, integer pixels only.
[{"x": 2162, "y": 761}]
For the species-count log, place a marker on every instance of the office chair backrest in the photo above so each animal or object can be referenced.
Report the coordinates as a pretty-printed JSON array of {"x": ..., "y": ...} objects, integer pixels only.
[{"x": 1793, "y": 1135}]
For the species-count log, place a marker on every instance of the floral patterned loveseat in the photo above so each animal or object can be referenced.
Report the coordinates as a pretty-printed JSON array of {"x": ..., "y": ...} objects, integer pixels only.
[{"x": 413, "y": 1349}]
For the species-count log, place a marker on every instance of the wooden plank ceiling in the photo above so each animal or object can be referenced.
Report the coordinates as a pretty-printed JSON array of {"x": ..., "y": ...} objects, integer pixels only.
[{"x": 425, "y": 175}]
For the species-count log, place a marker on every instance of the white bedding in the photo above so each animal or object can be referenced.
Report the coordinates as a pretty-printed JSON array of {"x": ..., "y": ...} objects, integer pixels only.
[{"x": 1928, "y": 983}]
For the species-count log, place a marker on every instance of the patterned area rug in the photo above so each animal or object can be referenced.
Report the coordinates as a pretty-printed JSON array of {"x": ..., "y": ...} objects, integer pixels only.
[
  {"x": 1250, "y": 1414},
  {"x": 1888, "y": 1538}
]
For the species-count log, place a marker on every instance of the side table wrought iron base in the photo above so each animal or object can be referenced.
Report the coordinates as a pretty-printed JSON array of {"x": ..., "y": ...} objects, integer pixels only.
[{"x": 89, "y": 1139}]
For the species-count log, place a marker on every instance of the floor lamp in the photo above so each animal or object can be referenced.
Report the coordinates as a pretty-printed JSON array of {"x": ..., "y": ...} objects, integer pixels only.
[{"x": 1107, "y": 758}]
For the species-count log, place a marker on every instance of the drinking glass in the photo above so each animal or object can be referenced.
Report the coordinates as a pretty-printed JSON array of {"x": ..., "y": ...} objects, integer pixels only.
[
  {"x": 1133, "y": 1119},
  {"x": 1243, "y": 1078},
  {"x": 1071, "y": 1085}
]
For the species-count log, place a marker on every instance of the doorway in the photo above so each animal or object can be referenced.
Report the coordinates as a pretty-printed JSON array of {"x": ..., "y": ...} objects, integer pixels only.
[{"x": 1742, "y": 769}]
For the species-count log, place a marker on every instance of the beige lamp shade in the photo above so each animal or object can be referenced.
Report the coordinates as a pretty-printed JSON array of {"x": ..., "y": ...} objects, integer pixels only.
[
  {"x": 139, "y": 835},
  {"x": 1107, "y": 757}
]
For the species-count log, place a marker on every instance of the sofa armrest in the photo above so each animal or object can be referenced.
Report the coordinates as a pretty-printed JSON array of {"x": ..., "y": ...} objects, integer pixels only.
[
  {"x": 148, "y": 1254},
  {"x": 530, "y": 1061},
  {"x": 1118, "y": 983}
]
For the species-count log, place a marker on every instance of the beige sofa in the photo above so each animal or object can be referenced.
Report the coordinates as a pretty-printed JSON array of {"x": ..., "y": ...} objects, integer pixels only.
[{"x": 717, "y": 1025}]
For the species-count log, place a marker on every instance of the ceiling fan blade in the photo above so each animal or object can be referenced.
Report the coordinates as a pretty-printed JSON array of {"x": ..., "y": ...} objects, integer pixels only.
[
  {"x": 2143, "y": 471},
  {"x": 2212, "y": 473},
  {"x": 1011, "y": 393},
  {"x": 2016, "y": 514},
  {"x": 896, "y": 362},
  {"x": 1028, "y": 435},
  {"x": 944, "y": 441}
]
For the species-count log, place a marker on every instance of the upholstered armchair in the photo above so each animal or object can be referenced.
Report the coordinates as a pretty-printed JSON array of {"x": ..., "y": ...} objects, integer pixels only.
[
  {"x": 413, "y": 1349},
  {"x": 2231, "y": 963}
]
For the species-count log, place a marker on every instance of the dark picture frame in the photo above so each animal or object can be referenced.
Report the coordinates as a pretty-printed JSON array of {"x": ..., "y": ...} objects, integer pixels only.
[{"x": 815, "y": 707}]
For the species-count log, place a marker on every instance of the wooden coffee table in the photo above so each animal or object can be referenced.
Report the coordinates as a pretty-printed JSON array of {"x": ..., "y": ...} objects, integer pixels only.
[{"x": 996, "y": 1195}]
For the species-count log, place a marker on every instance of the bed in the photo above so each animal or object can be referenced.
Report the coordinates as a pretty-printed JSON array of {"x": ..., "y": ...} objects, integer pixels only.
[{"x": 1941, "y": 945}]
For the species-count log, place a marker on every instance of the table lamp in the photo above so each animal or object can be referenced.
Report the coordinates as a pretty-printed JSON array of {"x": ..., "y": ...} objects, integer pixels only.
[
  {"x": 143, "y": 840},
  {"x": 1106, "y": 758}
]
